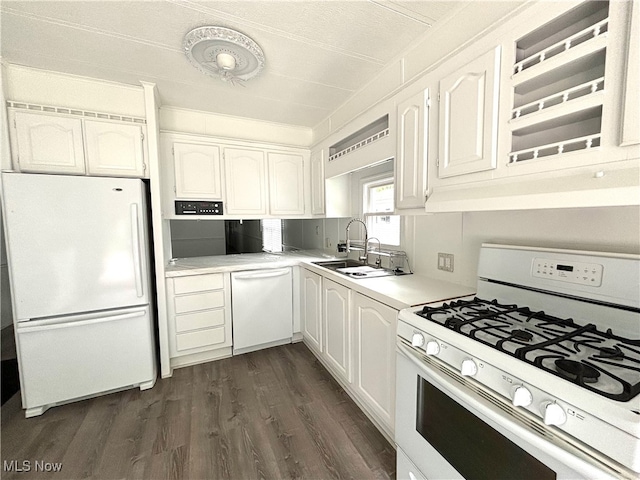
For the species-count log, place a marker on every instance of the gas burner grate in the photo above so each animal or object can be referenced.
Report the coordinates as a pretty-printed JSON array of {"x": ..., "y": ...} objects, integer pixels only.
[{"x": 598, "y": 361}]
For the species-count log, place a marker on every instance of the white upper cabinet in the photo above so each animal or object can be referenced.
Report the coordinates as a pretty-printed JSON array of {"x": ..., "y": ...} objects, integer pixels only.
[
  {"x": 631, "y": 105},
  {"x": 410, "y": 162},
  {"x": 245, "y": 182},
  {"x": 286, "y": 183},
  {"x": 197, "y": 170},
  {"x": 48, "y": 143},
  {"x": 468, "y": 117},
  {"x": 114, "y": 149},
  {"x": 317, "y": 183}
]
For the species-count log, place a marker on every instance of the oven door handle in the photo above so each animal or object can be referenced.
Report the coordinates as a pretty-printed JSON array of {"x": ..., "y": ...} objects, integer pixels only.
[
  {"x": 410, "y": 354},
  {"x": 555, "y": 446}
]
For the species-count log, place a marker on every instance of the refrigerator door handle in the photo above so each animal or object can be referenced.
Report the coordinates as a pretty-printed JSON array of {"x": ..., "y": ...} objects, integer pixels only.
[
  {"x": 61, "y": 323},
  {"x": 135, "y": 238}
]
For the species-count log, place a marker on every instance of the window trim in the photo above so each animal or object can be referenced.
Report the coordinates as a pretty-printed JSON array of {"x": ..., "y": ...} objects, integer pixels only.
[{"x": 374, "y": 181}]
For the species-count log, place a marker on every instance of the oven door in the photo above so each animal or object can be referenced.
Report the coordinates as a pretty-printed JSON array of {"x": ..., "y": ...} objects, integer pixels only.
[{"x": 449, "y": 427}]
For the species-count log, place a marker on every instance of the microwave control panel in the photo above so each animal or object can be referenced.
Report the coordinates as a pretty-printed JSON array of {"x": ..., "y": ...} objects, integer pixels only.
[{"x": 197, "y": 207}]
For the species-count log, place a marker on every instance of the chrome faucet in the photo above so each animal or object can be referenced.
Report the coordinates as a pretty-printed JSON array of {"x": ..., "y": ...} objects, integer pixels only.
[
  {"x": 362, "y": 258},
  {"x": 378, "y": 260}
]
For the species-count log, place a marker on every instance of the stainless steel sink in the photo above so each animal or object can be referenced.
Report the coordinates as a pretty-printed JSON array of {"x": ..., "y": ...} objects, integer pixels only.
[{"x": 355, "y": 269}]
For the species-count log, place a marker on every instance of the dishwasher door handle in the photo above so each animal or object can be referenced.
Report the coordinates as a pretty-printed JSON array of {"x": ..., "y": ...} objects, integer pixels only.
[{"x": 262, "y": 274}]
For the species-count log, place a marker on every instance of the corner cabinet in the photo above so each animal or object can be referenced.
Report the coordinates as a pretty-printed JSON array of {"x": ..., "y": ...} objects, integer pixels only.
[
  {"x": 51, "y": 143},
  {"x": 469, "y": 117},
  {"x": 245, "y": 181},
  {"x": 411, "y": 162},
  {"x": 631, "y": 104},
  {"x": 198, "y": 171}
]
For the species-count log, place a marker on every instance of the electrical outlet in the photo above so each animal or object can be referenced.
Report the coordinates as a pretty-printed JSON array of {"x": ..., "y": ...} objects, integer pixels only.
[
  {"x": 327, "y": 242},
  {"x": 445, "y": 262}
]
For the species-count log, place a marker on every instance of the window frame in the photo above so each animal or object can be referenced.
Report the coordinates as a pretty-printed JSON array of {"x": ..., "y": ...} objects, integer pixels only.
[{"x": 366, "y": 183}]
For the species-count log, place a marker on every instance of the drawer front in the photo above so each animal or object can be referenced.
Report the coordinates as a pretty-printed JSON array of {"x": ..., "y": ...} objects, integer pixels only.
[
  {"x": 197, "y": 320},
  {"x": 198, "y": 283},
  {"x": 200, "y": 338},
  {"x": 199, "y": 301}
]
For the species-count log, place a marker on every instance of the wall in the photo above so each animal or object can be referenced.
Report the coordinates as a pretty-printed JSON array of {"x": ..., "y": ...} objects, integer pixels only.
[
  {"x": 609, "y": 229},
  {"x": 226, "y": 126},
  {"x": 191, "y": 238},
  {"x": 43, "y": 87}
]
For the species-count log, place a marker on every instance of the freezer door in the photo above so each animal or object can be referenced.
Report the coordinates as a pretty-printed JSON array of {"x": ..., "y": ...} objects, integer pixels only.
[
  {"x": 70, "y": 358},
  {"x": 75, "y": 244}
]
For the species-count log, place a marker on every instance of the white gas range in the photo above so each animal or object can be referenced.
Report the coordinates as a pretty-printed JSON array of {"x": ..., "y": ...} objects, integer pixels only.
[{"x": 537, "y": 376}]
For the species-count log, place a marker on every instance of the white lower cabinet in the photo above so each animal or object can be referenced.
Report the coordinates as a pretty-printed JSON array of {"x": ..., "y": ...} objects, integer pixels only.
[
  {"x": 375, "y": 356},
  {"x": 199, "y": 308},
  {"x": 337, "y": 331},
  {"x": 311, "y": 308},
  {"x": 354, "y": 337}
]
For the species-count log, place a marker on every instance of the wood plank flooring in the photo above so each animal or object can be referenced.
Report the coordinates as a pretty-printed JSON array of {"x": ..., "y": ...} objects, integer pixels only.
[{"x": 272, "y": 414}]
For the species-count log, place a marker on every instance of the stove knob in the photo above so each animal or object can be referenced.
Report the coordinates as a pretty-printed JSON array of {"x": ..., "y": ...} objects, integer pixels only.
[
  {"x": 468, "y": 368},
  {"x": 553, "y": 414},
  {"x": 417, "y": 340},
  {"x": 522, "y": 397},
  {"x": 432, "y": 348}
]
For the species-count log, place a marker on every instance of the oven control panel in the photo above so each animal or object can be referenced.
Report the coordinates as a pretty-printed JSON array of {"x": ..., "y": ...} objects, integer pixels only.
[
  {"x": 197, "y": 207},
  {"x": 568, "y": 271}
]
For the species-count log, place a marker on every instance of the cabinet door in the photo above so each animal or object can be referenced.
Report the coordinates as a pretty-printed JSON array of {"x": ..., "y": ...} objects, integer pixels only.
[
  {"x": 197, "y": 169},
  {"x": 317, "y": 183},
  {"x": 469, "y": 117},
  {"x": 411, "y": 162},
  {"x": 114, "y": 149},
  {"x": 337, "y": 331},
  {"x": 47, "y": 143},
  {"x": 311, "y": 307},
  {"x": 375, "y": 356},
  {"x": 245, "y": 181},
  {"x": 286, "y": 184}
]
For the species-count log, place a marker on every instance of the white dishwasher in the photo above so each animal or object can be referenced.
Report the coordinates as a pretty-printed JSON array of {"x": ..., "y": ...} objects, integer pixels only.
[{"x": 262, "y": 306}]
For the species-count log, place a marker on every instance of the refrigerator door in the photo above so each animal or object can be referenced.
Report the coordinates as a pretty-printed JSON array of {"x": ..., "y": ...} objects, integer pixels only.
[
  {"x": 75, "y": 244},
  {"x": 69, "y": 358}
]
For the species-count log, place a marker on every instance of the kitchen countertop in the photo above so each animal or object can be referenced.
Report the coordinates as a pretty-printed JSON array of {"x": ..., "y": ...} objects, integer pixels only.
[{"x": 396, "y": 291}]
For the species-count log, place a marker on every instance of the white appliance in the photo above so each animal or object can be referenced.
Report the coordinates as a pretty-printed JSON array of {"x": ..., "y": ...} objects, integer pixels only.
[
  {"x": 262, "y": 309},
  {"x": 78, "y": 259},
  {"x": 537, "y": 377}
]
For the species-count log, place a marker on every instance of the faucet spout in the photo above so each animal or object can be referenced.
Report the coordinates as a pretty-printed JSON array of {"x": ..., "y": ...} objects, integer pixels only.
[{"x": 362, "y": 258}]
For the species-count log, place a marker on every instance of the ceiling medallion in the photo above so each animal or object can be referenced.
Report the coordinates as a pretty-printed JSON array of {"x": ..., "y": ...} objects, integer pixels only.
[{"x": 224, "y": 53}]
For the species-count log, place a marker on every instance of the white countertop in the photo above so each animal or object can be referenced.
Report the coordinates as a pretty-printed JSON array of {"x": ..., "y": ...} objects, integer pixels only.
[{"x": 396, "y": 291}]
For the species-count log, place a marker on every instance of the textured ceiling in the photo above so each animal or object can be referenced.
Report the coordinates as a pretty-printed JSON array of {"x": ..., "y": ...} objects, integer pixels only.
[{"x": 318, "y": 53}]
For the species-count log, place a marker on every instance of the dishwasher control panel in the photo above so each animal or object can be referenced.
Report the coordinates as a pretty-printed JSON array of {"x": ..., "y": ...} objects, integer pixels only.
[{"x": 197, "y": 207}]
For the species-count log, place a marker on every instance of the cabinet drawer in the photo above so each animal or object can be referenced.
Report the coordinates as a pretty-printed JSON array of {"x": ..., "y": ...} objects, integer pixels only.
[
  {"x": 200, "y": 338},
  {"x": 197, "y": 320},
  {"x": 199, "y": 301},
  {"x": 197, "y": 283}
]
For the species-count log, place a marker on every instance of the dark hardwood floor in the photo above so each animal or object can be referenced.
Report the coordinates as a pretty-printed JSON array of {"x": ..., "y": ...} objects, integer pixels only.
[{"x": 272, "y": 414}]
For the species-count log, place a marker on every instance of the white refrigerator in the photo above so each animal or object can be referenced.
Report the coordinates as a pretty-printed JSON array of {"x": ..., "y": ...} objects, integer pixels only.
[{"x": 79, "y": 269}]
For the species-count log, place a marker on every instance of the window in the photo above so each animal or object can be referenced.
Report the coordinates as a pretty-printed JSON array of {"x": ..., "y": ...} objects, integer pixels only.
[
  {"x": 271, "y": 235},
  {"x": 378, "y": 197}
]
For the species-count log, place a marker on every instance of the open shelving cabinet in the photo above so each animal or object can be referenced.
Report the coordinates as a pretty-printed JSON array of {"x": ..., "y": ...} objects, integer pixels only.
[{"x": 558, "y": 82}]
